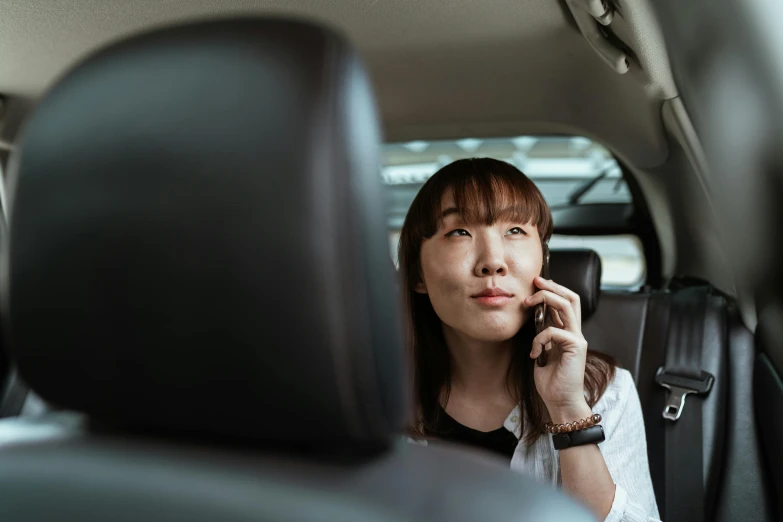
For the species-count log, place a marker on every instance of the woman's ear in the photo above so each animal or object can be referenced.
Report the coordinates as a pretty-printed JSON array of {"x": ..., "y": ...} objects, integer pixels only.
[{"x": 420, "y": 287}]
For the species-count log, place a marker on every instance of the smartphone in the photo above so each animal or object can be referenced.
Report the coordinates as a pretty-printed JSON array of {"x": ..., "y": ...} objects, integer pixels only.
[{"x": 539, "y": 314}]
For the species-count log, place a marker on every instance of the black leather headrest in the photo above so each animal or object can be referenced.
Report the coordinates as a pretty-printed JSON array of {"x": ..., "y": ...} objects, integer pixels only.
[
  {"x": 579, "y": 270},
  {"x": 198, "y": 241}
]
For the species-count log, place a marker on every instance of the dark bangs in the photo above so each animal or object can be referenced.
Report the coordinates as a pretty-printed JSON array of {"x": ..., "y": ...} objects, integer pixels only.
[{"x": 485, "y": 191}]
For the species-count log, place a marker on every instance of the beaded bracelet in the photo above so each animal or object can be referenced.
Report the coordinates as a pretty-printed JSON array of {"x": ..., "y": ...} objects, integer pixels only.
[{"x": 592, "y": 420}]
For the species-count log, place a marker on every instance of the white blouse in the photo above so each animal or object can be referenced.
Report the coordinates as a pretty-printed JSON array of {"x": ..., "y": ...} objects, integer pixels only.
[{"x": 624, "y": 450}]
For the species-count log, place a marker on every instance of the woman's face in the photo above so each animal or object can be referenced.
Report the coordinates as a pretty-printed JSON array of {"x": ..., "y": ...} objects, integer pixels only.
[{"x": 478, "y": 276}]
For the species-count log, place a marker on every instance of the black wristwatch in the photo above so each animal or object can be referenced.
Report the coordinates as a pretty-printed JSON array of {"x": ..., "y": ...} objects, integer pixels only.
[{"x": 591, "y": 435}]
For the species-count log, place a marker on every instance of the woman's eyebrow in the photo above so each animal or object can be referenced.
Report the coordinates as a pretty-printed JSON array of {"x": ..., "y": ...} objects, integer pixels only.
[
  {"x": 449, "y": 211},
  {"x": 511, "y": 211}
]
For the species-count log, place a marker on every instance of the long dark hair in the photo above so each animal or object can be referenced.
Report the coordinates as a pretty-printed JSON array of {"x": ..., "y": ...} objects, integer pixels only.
[{"x": 481, "y": 188}]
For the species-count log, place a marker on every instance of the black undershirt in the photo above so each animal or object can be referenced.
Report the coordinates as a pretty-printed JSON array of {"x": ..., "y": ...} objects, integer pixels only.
[{"x": 500, "y": 441}]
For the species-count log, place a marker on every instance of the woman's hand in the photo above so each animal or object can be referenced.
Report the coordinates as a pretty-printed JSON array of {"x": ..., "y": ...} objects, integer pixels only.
[{"x": 561, "y": 382}]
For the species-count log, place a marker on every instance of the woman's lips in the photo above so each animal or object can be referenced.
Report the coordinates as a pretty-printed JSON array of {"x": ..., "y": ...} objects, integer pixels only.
[
  {"x": 493, "y": 297},
  {"x": 496, "y": 300}
]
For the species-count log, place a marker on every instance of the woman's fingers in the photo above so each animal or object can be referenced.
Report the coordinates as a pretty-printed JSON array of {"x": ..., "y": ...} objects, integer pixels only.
[
  {"x": 556, "y": 317},
  {"x": 551, "y": 336},
  {"x": 548, "y": 284},
  {"x": 537, "y": 350},
  {"x": 568, "y": 294},
  {"x": 563, "y": 307}
]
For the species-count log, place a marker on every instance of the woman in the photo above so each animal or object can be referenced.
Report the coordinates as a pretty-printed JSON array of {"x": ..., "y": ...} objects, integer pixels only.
[{"x": 471, "y": 252}]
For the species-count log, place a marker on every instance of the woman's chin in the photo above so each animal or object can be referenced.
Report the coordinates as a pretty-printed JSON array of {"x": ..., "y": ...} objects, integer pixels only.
[
  {"x": 486, "y": 327},
  {"x": 494, "y": 338},
  {"x": 493, "y": 332}
]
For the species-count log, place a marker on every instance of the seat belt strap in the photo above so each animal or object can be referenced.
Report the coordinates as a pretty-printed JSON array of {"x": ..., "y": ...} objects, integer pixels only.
[{"x": 683, "y": 376}]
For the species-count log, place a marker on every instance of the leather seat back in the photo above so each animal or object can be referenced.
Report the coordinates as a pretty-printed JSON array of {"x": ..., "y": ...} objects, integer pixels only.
[
  {"x": 634, "y": 328},
  {"x": 198, "y": 270},
  {"x": 617, "y": 328}
]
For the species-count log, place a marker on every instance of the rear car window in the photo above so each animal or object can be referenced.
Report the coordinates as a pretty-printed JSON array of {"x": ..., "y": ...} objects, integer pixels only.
[{"x": 562, "y": 168}]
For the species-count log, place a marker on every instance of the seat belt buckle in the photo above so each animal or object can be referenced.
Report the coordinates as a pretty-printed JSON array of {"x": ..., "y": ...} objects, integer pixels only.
[{"x": 679, "y": 386}]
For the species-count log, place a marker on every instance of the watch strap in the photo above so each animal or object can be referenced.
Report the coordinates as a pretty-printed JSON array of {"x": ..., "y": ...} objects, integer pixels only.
[{"x": 591, "y": 435}]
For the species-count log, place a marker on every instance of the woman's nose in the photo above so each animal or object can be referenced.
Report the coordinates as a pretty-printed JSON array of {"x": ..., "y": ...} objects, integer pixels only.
[
  {"x": 493, "y": 268},
  {"x": 491, "y": 264}
]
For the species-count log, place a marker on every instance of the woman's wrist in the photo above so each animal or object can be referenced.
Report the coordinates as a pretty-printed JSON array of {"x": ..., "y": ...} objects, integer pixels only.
[{"x": 570, "y": 412}]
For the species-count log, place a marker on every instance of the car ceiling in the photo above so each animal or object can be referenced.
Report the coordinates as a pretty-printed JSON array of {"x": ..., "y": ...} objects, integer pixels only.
[{"x": 442, "y": 68}]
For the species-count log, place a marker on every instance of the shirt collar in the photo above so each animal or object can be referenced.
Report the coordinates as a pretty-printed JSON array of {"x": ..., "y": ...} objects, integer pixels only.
[{"x": 513, "y": 422}]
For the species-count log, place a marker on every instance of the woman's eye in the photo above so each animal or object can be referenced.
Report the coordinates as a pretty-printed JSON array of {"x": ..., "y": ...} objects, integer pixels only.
[
  {"x": 458, "y": 232},
  {"x": 516, "y": 231}
]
